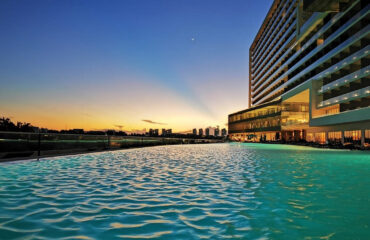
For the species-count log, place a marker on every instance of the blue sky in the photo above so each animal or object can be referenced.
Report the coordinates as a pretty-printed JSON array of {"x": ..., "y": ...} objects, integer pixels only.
[{"x": 96, "y": 64}]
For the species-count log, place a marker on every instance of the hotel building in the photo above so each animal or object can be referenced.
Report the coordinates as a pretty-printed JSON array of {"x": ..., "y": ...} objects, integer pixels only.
[{"x": 309, "y": 75}]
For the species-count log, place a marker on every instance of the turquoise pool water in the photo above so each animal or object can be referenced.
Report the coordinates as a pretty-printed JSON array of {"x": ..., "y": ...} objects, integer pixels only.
[{"x": 211, "y": 191}]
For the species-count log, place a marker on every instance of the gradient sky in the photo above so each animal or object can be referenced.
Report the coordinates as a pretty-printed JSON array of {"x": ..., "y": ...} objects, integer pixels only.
[{"x": 103, "y": 64}]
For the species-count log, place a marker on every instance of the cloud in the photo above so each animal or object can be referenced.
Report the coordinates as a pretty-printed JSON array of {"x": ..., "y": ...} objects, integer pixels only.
[
  {"x": 119, "y": 126},
  {"x": 153, "y": 122}
]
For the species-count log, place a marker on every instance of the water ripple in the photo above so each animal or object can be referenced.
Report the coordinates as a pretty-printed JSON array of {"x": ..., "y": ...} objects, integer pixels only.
[{"x": 219, "y": 191}]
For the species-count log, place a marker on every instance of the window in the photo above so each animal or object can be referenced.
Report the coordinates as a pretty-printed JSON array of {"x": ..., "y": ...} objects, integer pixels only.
[
  {"x": 320, "y": 138},
  {"x": 367, "y": 136},
  {"x": 334, "y": 137},
  {"x": 352, "y": 136}
]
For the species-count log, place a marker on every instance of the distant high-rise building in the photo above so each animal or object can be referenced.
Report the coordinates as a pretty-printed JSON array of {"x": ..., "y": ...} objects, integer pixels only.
[
  {"x": 217, "y": 132},
  {"x": 195, "y": 131},
  {"x": 156, "y": 132},
  {"x": 200, "y": 132},
  {"x": 164, "y": 132},
  {"x": 207, "y": 132},
  {"x": 223, "y": 132},
  {"x": 153, "y": 132}
]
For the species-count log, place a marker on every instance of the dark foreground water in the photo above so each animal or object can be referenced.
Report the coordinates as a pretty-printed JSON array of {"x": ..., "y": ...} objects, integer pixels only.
[{"x": 219, "y": 191}]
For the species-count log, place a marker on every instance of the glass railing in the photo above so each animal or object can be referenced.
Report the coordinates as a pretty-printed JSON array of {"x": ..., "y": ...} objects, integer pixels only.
[
  {"x": 259, "y": 75},
  {"x": 272, "y": 37},
  {"x": 360, "y": 93},
  {"x": 276, "y": 62},
  {"x": 286, "y": 107},
  {"x": 273, "y": 28},
  {"x": 332, "y": 37},
  {"x": 294, "y": 122},
  {"x": 256, "y": 123},
  {"x": 295, "y": 107},
  {"x": 268, "y": 28},
  {"x": 309, "y": 42},
  {"x": 260, "y": 80},
  {"x": 249, "y": 116},
  {"x": 346, "y": 79},
  {"x": 273, "y": 53},
  {"x": 359, "y": 35},
  {"x": 273, "y": 44},
  {"x": 349, "y": 23},
  {"x": 309, "y": 23},
  {"x": 326, "y": 114},
  {"x": 348, "y": 60}
]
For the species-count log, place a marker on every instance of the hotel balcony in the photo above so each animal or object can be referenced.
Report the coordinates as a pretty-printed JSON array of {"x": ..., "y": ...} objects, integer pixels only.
[
  {"x": 307, "y": 64},
  {"x": 345, "y": 81},
  {"x": 358, "y": 94}
]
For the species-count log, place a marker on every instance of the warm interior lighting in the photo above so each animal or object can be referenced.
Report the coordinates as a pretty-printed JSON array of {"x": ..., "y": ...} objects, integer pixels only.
[{"x": 334, "y": 109}]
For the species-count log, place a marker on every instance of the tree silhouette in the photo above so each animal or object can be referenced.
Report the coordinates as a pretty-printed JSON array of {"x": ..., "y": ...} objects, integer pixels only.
[{"x": 7, "y": 125}]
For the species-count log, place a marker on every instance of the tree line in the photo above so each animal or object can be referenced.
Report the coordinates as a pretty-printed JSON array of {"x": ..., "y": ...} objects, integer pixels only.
[{"x": 7, "y": 125}]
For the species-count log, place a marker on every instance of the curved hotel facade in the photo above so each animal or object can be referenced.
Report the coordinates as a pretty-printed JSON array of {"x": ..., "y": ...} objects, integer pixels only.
[{"x": 309, "y": 75}]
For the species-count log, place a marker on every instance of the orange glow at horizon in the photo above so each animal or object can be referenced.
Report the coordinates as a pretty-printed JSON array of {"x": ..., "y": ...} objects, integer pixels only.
[{"x": 91, "y": 109}]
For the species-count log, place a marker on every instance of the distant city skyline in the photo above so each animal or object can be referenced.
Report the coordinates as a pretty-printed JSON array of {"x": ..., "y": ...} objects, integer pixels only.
[
  {"x": 126, "y": 65},
  {"x": 118, "y": 128}
]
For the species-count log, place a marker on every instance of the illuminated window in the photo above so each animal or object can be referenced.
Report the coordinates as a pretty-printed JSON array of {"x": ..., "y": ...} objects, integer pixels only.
[
  {"x": 309, "y": 137},
  {"x": 320, "y": 41},
  {"x": 334, "y": 136},
  {"x": 367, "y": 136},
  {"x": 352, "y": 136},
  {"x": 320, "y": 137}
]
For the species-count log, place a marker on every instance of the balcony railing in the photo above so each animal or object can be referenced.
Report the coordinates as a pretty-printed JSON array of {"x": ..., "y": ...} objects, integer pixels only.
[
  {"x": 332, "y": 37},
  {"x": 271, "y": 28},
  {"x": 311, "y": 40},
  {"x": 256, "y": 116},
  {"x": 360, "y": 93},
  {"x": 259, "y": 77},
  {"x": 346, "y": 79},
  {"x": 359, "y": 35},
  {"x": 272, "y": 43}
]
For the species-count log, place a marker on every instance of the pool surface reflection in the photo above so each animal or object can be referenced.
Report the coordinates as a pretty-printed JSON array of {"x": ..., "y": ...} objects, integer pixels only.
[{"x": 210, "y": 191}]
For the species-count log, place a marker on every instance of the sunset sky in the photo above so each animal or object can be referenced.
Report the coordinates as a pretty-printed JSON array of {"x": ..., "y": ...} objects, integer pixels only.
[{"x": 138, "y": 64}]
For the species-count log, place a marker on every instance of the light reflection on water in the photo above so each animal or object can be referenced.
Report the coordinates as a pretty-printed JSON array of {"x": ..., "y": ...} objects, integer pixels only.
[{"x": 233, "y": 191}]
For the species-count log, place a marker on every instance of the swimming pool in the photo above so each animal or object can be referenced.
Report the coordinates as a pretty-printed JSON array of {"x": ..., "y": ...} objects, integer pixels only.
[{"x": 214, "y": 191}]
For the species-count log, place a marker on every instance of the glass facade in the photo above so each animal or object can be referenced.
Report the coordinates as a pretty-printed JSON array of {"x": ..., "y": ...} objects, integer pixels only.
[
  {"x": 335, "y": 137},
  {"x": 328, "y": 46},
  {"x": 294, "y": 114},
  {"x": 352, "y": 136},
  {"x": 323, "y": 51}
]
